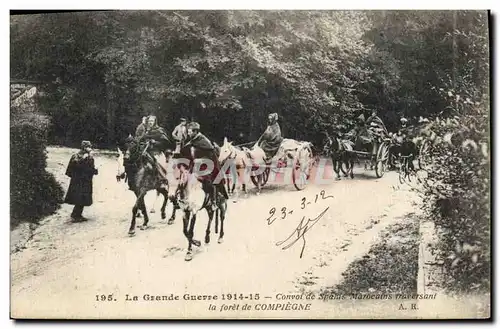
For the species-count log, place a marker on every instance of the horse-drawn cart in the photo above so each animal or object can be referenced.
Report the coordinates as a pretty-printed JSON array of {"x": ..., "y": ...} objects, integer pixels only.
[
  {"x": 380, "y": 159},
  {"x": 295, "y": 154}
]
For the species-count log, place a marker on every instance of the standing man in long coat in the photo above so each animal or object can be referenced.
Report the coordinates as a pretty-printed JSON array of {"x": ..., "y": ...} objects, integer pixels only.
[{"x": 81, "y": 170}]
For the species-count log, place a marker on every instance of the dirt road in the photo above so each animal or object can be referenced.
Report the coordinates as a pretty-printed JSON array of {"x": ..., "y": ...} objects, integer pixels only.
[{"x": 65, "y": 265}]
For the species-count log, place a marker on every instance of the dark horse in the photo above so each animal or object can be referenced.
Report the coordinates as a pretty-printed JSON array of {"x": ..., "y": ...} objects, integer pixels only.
[
  {"x": 191, "y": 196},
  {"x": 144, "y": 177},
  {"x": 342, "y": 159}
]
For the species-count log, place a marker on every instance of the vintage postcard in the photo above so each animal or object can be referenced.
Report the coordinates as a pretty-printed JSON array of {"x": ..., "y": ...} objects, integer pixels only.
[{"x": 257, "y": 164}]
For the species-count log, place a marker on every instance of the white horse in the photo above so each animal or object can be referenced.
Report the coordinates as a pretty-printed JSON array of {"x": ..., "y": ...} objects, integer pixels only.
[
  {"x": 243, "y": 163},
  {"x": 191, "y": 198}
]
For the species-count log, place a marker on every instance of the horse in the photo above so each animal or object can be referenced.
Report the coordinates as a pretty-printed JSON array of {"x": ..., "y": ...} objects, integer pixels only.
[
  {"x": 257, "y": 158},
  {"x": 339, "y": 152},
  {"x": 191, "y": 198},
  {"x": 143, "y": 177},
  {"x": 240, "y": 166}
]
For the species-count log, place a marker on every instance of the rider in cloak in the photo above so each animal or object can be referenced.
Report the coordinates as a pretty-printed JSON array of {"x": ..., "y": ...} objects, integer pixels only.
[
  {"x": 202, "y": 148},
  {"x": 156, "y": 140},
  {"x": 271, "y": 139}
]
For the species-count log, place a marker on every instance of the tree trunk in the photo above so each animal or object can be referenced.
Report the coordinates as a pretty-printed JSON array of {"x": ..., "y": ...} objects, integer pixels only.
[{"x": 110, "y": 118}]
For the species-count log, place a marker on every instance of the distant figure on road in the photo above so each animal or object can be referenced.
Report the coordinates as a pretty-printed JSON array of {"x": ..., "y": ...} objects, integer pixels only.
[
  {"x": 180, "y": 135},
  {"x": 81, "y": 170},
  {"x": 141, "y": 128}
]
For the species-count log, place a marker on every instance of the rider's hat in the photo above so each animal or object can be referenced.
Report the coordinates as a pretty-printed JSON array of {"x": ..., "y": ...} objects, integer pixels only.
[
  {"x": 193, "y": 126},
  {"x": 403, "y": 119},
  {"x": 183, "y": 119}
]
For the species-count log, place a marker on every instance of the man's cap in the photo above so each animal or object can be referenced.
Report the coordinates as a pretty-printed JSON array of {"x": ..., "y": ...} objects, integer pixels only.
[{"x": 183, "y": 119}]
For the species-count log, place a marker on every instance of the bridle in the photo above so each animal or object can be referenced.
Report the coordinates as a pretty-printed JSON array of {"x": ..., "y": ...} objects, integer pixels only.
[{"x": 232, "y": 154}]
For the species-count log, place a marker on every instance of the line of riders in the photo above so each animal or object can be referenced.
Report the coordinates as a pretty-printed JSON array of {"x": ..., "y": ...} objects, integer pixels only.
[{"x": 151, "y": 140}]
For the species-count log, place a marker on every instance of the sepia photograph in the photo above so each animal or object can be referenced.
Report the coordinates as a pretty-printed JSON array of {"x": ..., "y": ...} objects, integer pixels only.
[{"x": 250, "y": 164}]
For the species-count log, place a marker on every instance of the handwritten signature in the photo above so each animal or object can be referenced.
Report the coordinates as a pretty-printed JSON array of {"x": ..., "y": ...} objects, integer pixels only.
[{"x": 300, "y": 232}]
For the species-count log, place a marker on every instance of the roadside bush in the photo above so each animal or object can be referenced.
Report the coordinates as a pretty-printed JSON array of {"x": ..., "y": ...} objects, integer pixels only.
[
  {"x": 35, "y": 193},
  {"x": 457, "y": 192}
]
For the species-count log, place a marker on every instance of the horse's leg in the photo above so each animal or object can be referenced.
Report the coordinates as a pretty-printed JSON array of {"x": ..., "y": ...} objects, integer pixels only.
[
  {"x": 144, "y": 212},
  {"x": 210, "y": 213},
  {"x": 185, "y": 228},
  {"x": 191, "y": 231},
  {"x": 175, "y": 206},
  {"x": 216, "y": 221},
  {"x": 154, "y": 203},
  {"x": 164, "y": 193},
  {"x": 221, "y": 210},
  {"x": 137, "y": 205},
  {"x": 336, "y": 167},
  {"x": 350, "y": 166}
]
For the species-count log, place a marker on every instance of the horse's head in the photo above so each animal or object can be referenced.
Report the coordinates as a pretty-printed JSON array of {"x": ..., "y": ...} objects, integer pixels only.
[{"x": 226, "y": 150}]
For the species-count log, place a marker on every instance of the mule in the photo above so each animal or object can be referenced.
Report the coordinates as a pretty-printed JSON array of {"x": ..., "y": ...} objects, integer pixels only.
[
  {"x": 338, "y": 150},
  {"x": 192, "y": 198},
  {"x": 144, "y": 178},
  {"x": 240, "y": 166},
  {"x": 257, "y": 158}
]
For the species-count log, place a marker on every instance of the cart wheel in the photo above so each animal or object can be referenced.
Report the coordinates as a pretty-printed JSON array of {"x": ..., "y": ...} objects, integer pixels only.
[
  {"x": 265, "y": 177},
  {"x": 382, "y": 160}
]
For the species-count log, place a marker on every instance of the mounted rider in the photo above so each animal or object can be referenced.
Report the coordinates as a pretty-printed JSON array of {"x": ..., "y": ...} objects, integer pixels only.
[
  {"x": 271, "y": 139},
  {"x": 149, "y": 145},
  {"x": 200, "y": 147},
  {"x": 403, "y": 143}
]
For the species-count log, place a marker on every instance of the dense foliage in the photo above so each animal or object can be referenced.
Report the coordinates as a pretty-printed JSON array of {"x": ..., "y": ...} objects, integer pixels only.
[
  {"x": 229, "y": 69},
  {"x": 34, "y": 192}
]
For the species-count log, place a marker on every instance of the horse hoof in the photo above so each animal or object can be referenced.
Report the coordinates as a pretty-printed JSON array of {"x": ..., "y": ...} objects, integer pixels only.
[
  {"x": 338, "y": 178},
  {"x": 152, "y": 211},
  {"x": 207, "y": 239},
  {"x": 170, "y": 221},
  {"x": 131, "y": 233},
  {"x": 163, "y": 215},
  {"x": 188, "y": 257},
  {"x": 220, "y": 240},
  {"x": 143, "y": 227},
  {"x": 197, "y": 243}
]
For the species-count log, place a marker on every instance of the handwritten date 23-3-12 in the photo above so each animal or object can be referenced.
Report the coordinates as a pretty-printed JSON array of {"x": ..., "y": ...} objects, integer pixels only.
[{"x": 287, "y": 211}]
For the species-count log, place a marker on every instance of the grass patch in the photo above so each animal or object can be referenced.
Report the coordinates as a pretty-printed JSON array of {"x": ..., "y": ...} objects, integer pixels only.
[{"x": 390, "y": 266}]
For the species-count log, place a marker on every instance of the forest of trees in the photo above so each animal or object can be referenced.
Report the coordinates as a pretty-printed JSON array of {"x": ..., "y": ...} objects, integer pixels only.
[
  {"x": 229, "y": 69},
  {"x": 102, "y": 71}
]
